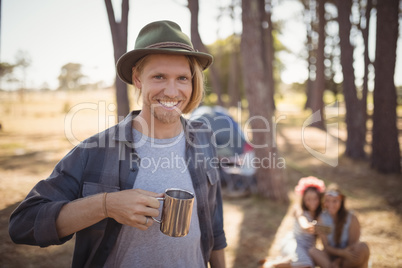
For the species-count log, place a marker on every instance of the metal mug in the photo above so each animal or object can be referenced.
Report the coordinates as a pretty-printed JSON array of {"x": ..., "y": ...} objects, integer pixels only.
[{"x": 176, "y": 212}]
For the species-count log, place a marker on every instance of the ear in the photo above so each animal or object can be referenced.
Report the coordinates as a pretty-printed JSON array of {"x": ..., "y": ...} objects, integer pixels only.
[{"x": 135, "y": 78}]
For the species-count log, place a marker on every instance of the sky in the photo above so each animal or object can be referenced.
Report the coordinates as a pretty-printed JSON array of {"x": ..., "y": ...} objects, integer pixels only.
[{"x": 54, "y": 33}]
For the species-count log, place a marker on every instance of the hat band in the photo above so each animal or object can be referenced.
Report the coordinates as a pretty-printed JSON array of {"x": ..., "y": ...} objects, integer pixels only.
[
  {"x": 332, "y": 193},
  {"x": 171, "y": 45}
]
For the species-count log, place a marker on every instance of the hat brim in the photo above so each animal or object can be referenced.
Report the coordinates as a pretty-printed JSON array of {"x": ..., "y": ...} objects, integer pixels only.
[{"x": 128, "y": 60}]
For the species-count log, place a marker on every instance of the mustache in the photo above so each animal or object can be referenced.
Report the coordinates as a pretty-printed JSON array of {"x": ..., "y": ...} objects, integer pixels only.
[{"x": 165, "y": 98}]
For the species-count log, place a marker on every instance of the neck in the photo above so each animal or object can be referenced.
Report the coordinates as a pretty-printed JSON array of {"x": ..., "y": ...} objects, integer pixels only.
[
  {"x": 157, "y": 130},
  {"x": 334, "y": 216}
]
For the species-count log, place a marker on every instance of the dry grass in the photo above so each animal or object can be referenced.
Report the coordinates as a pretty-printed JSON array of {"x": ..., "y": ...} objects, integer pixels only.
[{"x": 33, "y": 139}]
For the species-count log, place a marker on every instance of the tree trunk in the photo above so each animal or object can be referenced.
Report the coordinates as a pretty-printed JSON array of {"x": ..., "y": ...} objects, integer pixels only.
[
  {"x": 267, "y": 51},
  {"x": 355, "y": 115},
  {"x": 233, "y": 81},
  {"x": 308, "y": 18},
  {"x": 270, "y": 178},
  {"x": 367, "y": 62},
  {"x": 309, "y": 90},
  {"x": 235, "y": 66},
  {"x": 0, "y": 27},
  {"x": 309, "y": 45},
  {"x": 119, "y": 37},
  {"x": 198, "y": 44},
  {"x": 385, "y": 147},
  {"x": 317, "y": 102}
]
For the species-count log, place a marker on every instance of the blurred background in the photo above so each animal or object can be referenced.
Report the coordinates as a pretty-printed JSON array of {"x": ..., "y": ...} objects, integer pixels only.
[{"x": 322, "y": 77}]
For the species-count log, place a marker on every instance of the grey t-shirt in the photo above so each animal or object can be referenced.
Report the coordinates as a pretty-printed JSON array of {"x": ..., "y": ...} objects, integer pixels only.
[{"x": 162, "y": 166}]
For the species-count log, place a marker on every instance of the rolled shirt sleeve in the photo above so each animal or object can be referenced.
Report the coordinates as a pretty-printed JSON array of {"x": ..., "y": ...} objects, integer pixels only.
[{"x": 33, "y": 222}]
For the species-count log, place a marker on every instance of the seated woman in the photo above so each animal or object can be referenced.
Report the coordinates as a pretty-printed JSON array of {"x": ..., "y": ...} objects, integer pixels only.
[
  {"x": 342, "y": 247},
  {"x": 295, "y": 245}
]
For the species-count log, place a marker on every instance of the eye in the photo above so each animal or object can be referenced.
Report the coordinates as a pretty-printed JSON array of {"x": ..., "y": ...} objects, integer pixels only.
[
  {"x": 158, "y": 76},
  {"x": 183, "y": 78}
]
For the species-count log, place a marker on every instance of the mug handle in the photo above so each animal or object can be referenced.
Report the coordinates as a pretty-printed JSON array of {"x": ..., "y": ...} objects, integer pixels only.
[{"x": 156, "y": 220}]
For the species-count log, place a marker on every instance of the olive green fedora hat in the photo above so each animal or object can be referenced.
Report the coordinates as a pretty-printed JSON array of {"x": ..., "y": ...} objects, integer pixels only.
[{"x": 159, "y": 37}]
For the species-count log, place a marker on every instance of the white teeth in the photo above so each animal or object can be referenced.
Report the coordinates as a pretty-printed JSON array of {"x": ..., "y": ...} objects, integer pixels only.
[{"x": 169, "y": 104}]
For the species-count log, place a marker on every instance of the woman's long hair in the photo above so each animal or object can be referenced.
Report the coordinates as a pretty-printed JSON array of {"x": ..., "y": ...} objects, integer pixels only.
[
  {"x": 341, "y": 215},
  {"x": 317, "y": 212}
]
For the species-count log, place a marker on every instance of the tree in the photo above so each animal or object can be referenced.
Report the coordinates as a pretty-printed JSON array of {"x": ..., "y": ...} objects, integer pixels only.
[
  {"x": 0, "y": 24},
  {"x": 309, "y": 18},
  {"x": 234, "y": 77},
  {"x": 22, "y": 62},
  {"x": 119, "y": 38},
  {"x": 355, "y": 107},
  {"x": 317, "y": 102},
  {"x": 229, "y": 63},
  {"x": 6, "y": 69},
  {"x": 234, "y": 81},
  {"x": 385, "y": 146},
  {"x": 193, "y": 6},
  {"x": 269, "y": 175},
  {"x": 70, "y": 77},
  {"x": 266, "y": 28},
  {"x": 364, "y": 28}
]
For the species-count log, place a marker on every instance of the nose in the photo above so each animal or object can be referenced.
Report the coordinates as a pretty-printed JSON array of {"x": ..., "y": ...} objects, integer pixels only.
[{"x": 171, "y": 89}]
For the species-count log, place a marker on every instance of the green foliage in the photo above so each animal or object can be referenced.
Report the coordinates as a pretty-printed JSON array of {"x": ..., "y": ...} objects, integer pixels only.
[
  {"x": 14, "y": 73},
  {"x": 6, "y": 69},
  {"x": 299, "y": 87},
  {"x": 222, "y": 51},
  {"x": 226, "y": 52},
  {"x": 70, "y": 77},
  {"x": 399, "y": 95}
]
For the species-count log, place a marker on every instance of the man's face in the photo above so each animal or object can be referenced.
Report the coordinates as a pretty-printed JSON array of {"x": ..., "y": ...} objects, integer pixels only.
[{"x": 166, "y": 87}]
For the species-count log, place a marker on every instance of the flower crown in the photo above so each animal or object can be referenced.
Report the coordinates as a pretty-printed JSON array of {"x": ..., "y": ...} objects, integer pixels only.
[{"x": 307, "y": 182}]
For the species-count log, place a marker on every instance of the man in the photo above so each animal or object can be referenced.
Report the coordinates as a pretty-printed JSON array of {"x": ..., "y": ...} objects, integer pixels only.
[{"x": 105, "y": 190}]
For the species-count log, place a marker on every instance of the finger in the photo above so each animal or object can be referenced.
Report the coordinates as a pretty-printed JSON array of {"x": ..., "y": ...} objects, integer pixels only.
[
  {"x": 149, "y": 199},
  {"x": 143, "y": 210},
  {"x": 148, "y": 193},
  {"x": 151, "y": 212},
  {"x": 141, "y": 222},
  {"x": 142, "y": 227},
  {"x": 149, "y": 202},
  {"x": 148, "y": 222}
]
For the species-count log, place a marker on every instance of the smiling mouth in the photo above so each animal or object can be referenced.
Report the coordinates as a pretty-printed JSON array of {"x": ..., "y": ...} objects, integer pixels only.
[{"x": 168, "y": 104}]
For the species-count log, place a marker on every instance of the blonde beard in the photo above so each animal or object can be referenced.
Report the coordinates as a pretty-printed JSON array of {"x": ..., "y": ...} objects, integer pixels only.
[{"x": 166, "y": 117}]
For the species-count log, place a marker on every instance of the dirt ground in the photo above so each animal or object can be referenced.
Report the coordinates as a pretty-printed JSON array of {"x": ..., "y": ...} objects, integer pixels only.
[{"x": 37, "y": 130}]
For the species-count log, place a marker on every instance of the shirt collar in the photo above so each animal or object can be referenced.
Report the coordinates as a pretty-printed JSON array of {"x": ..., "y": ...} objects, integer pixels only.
[{"x": 124, "y": 128}]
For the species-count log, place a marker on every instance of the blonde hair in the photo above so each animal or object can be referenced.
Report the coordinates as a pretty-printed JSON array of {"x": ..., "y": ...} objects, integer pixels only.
[{"x": 196, "y": 69}]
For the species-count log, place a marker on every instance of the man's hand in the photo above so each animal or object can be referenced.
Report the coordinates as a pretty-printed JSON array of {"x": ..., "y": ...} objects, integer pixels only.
[{"x": 132, "y": 207}]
